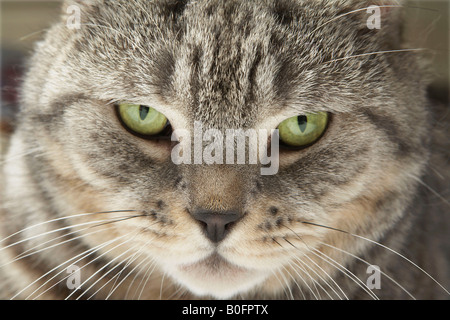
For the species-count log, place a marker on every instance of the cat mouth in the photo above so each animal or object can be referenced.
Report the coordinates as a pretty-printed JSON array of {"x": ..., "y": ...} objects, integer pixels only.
[
  {"x": 218, "y": 277},
  {"x": 214, "y": 263}
]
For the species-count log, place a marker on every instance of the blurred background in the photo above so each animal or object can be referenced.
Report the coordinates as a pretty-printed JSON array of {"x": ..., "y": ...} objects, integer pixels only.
[{"x": 23, "y": 22}]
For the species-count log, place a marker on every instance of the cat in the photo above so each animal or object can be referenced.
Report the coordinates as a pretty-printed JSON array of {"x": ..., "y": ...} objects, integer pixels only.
[{"x": 93, "y": 207}]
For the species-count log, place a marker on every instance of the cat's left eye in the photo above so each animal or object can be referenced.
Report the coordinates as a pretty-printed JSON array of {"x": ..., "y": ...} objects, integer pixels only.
[
  {"x": 142, "y": 120},
  {"x": 303, "y": 130}
]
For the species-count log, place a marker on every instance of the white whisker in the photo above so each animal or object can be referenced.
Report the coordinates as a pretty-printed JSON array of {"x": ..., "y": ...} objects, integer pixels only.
[
  {"x": 61, "y": 218},
  {"x": 301, "y": 278},
  {"x": 89, "y": 251},
  {"x": 129, "y": 273},
  {"x": 135, "y": 256},
  {"x": 299, "y": 261},
  {"x": 161, "y": 287},
  {"x": 95, "y": 223},
  {"x": 430, "y": 188},
  {"x": 145, "y": 278},
  {"x": 349, "y": 13},
  {"x": 367, "y": 263},
  {"x": 346, "y": 272},
  {"x": 321, "y": 269},
  {"x": 24, "y": 254},
  {"x": 374, "y": 53},
  {"x": 385, "y": 247},
  {"x": 106, "y": 265},
  {"x": 85, "y": 256}
]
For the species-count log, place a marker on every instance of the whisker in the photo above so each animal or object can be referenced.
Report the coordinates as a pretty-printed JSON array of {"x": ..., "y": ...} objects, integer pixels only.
[
  {"x": 306, "y": 256},
  {"x": 23, "y": 255},
  {"x": 284, "y": 286},
  {"x": 367, "y": 263},
  {"x": 365, "y": 9},
  {"x": 129, "y": 273},
  {"x": 340, "y": 267},
  {"x": 125, "y": 260},
  {"x": 382, "y": 246},
  {"x": 161, "y": 287},
  {"x": 288, "y": 286},
  {"x": 315, "y": 283},
  {"x": 299, "y": 261},
  {"x": 351, "y": 12},
  {"x": 63, "y": 218},
  {"x": 91, "y": 250},
  {"x": 103, "y": 222},
  {"x": 429, "y": 188},
  {"x": 107, "y": 264},
  {"x": 375, "y": 53},
  {"x": 348, "y": 273},
  {"x": 14, "y": 157},
  {"x": 85, "y": 265},
  {"x": 299, "y": 275},
  {"x": 180, "y": 288},
  {"x": 148, "y": 261},
  {"x": 135, "y": 256},
  {"x": 146, "y": 278},
  {"x": 23, "y": 38}
]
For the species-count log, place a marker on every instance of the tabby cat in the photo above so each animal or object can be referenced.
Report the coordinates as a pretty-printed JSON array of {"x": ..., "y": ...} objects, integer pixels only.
[{"x": 94, "y": 207}]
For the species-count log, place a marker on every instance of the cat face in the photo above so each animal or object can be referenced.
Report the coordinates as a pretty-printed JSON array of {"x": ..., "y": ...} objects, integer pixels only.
[{"x": 225, "y": 229}]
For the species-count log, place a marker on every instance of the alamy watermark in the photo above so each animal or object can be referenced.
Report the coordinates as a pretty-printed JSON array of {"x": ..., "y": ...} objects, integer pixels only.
[
  {"x": 74, "y": 17},
  {"x": 374, "y": 280},
  {"x": 374, "y": 20},
  {"x": 73, "y": 281},
  {"x": 212, "y": 146}
]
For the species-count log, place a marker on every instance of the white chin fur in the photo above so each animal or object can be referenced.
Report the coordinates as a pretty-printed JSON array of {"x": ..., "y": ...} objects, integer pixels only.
[
  {"x": 219, "y": 287},
  {"x": 218, "y": 279}
]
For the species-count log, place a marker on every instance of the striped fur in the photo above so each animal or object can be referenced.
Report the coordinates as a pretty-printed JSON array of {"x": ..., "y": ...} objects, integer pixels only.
[{"x": 378, "y": 172}]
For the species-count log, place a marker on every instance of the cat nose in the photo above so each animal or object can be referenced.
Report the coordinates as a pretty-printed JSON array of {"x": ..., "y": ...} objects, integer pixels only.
[{"x": 216, "y": 224}]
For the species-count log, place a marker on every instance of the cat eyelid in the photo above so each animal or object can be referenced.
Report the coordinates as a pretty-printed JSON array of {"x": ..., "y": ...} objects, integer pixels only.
[{"x": 174, "y": 116}]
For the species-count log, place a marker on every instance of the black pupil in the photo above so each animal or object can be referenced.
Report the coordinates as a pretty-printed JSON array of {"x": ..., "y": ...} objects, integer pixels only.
[
  {"x": 143, "y": 112},
  {"x": 302, "y": 122}
]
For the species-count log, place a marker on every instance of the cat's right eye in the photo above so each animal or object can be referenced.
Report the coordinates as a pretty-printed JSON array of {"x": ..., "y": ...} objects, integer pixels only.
[{"x": 142, "y": 120}]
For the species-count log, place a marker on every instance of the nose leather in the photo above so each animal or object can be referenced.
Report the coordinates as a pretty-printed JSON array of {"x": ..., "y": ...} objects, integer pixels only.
[{"x": 216, "y": 224}]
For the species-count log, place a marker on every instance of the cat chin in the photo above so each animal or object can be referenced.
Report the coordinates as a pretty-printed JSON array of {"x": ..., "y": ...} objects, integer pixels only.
[{"x": 217, "y": 278}]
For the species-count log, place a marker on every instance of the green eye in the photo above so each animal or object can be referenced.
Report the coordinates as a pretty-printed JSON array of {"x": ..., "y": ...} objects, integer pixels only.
[
  {"x": 303, "y": 130},
  {"x": 142, "y": 119}
]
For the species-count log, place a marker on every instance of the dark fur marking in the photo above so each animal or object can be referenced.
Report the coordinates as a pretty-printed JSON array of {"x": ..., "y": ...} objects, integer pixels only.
[
  {"x": 273, "y": 211},
  {"x": 389, "y": 127}
]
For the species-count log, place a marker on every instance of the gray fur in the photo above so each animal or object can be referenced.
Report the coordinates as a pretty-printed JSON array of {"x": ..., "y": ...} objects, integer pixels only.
[{"x": 231, "y": 64}]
